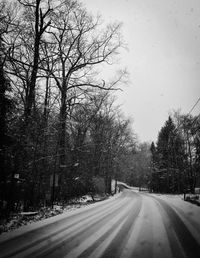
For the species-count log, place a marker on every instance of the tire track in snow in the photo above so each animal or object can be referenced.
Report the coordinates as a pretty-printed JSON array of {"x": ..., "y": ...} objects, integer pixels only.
[
  {"x": 95, "y": 239},
  {"x": 193, "y": 226},
  {"x": 183, "y": 243},
  {"x": 49, "y": 225},
  {"x": 78, "y": 233},
  {"x": 117, "y": 221},
  {"x": 148, "y": 237},
  {"x": 71, "y": 238},
  {"x": 118, "y": 243},
  {"x": 52, "y": 233}
]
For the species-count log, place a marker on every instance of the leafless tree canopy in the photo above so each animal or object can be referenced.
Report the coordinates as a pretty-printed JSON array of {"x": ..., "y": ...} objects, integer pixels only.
[{"x": 62, "y": 122}]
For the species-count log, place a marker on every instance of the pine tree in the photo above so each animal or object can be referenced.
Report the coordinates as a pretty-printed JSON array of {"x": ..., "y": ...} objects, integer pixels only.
[
  {"x": 170, "y": 158},
  {"x": 153, "y": 152}
]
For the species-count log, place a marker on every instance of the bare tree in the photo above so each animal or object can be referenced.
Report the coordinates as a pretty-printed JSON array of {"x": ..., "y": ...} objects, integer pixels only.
[
  {"x": 24, "y": 42},
  {"x": 80, "y": 44},
  {"x": 51, "y": 53}
]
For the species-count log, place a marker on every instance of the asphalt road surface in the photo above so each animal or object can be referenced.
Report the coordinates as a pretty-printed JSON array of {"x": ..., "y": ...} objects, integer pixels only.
[{"x": 132, "y": 225}]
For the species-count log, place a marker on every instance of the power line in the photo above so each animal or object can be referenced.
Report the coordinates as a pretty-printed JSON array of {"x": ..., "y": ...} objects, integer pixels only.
[
  {"x": 196, "y": 118},
  {"x": 194, "y": 106}
]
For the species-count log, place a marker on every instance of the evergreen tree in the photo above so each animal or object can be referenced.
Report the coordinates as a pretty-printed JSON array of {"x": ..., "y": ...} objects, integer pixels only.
[
  {"x": 168, "y": 158},
  {"x": 165, "y": 143},
  {"x": 153, "y": 153}
]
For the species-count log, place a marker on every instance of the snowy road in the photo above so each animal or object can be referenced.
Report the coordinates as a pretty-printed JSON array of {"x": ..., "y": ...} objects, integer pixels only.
[{"x": 132, "y": 225}]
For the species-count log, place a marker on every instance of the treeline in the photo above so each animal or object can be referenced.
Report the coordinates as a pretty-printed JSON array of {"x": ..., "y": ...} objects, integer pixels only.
[
  {"x": 176, "y": 155},
  {"x": 61, "y": 135}
]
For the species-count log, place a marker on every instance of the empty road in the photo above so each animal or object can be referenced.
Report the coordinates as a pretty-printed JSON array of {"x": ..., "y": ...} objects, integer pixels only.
[{"x": 131, "y": 225}]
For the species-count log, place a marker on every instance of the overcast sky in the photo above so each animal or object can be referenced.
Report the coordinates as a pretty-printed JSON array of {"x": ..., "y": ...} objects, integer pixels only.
[{"x": 163, "y": 59}]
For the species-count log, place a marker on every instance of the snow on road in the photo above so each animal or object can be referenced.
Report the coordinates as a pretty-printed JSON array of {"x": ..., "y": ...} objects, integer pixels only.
[
  {"x": 131, "y": 225},
  {"x": 188, "y": 213}
]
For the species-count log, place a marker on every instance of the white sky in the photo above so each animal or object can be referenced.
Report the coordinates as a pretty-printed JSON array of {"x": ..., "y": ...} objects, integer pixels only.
[{"x": 163, "y": 59}]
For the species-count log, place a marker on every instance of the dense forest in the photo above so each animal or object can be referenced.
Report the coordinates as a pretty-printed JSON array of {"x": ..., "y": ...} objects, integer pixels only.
[{"x": 61, "y": 133}]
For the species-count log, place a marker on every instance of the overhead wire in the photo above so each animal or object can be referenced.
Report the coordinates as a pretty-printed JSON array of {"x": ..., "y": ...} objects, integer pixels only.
[
  {"x": 194, "y": 106},
  {"x": 196, "y": 118}
]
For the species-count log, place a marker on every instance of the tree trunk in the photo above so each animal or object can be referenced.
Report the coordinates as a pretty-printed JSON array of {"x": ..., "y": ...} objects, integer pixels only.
[{"x": 62, "y": 136}]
